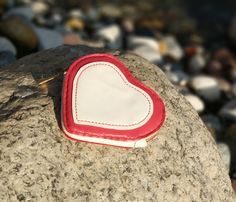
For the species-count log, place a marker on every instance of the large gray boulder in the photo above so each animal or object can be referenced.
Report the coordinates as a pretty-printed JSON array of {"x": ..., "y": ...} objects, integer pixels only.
[{"x": 38, "y": 164}]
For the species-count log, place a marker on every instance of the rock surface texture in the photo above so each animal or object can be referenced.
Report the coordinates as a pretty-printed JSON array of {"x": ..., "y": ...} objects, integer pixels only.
[{"x": 38, "y": 164}]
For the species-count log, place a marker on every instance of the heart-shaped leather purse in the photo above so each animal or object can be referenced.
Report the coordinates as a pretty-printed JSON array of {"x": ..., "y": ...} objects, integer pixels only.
[{"x": 103, "y": 103}]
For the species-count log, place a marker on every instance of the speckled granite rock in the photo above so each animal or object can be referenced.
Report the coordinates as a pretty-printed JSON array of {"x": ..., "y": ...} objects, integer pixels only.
[{"x": 38, "y": 164}]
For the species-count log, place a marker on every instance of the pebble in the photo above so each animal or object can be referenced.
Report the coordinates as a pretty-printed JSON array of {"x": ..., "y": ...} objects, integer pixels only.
[
  {"x": 228, "y": 111},
  {"x": 6, "y": 45},
  {"x": 48, "y": 38},
  {"x": 148, "y": 53},
  {"x": 75, "y": 24},
  {"x": 206, "y": 87},
  {"x": 6, "y": 58},
  {"x": 72, "y": 39},
  {"x": 173, "y": 49},
  {"x": 196, "y": 102},
  {"x": 224, "y": 85},
  {"x": 111, "y": 34},
  {"x": 225, "y": 154},
  {"x": 177, "y": 77},
  {"x": 25, "y": 11},
  {"x": 76, "y": 13},
  {"x": 196, "y": 64},
  {"x": 110, "y": 11},
  {"x": 39, "y": 7},
  {"x": 19, "y": 31},
  {"x": 137, "y": 41}
]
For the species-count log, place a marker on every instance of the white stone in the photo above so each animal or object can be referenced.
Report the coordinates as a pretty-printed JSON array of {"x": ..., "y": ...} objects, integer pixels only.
[
  {"x": 196, "y": 102},
  {"x": 206, "y": 86},
  {"x": 173, "y": 48},
  {"x": 225, "y": 154},
  {"x": 136, "y": 41},
  {"x": 229, "y": 110},
  {"x": 39, "y": 7},
  {"x": 197, "y": 63},
  {"x": 111, "y": 34},
  {"x": 148, "y": 53}
]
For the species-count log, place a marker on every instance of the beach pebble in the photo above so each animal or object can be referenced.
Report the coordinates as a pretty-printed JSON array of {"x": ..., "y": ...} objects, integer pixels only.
[
  {"x": 206, "y": 86},
  {"x": 148, "y": 53},
  {"x": 6, "y": 58},
  {"x": 110, "y": 11},
  {"x": 72, "y": 39},
  {"x": 7, "y": 45},
  {"x": 173, "y": 49},
  {"x": 177, "y": 77},
  {"x": 137, "y": 41},
  {"x": 224, "y": 85},
  {"x": 48, "y": 38},
  {"x": 39, "y": 7},
  {"x": 225, "y": 154},
  {"x": 25, "y": 11},
  {"x": 228, "y": 111},
  {"x": 19, "y": 31},
  {"x": 196, "y": 102},
  {"x": 196, "y": 64},
  {"x": 75, "y": 24},
  {"x": 111, "y": 34}
]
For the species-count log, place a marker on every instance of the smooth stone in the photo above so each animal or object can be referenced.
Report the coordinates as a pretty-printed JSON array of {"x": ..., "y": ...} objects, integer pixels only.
[
  {"x": 75, "y": 24},
  {"x": 196, "y": 102},
  {"x": 224, "y": 85},
  {"x": 225, "y": 154},
  {"x": 76, "y": 13},
  {"x": 6, "y": 45},
  {"x": 110, "y": 11},
  {"x": 72, "y": 39},
  {"x": 39, "y": 7},
  {"x": 128, "y": 25},
  {"x": 173, "y": 49},
  {"x": 6, "y": 58},
  {"x": 196, "y": 64},
  {"x": 173, "y": 78},
  {"x": 206, "y": 86},
  {"x": 177, "y": 77},
  {"x": 22, "y": 11},
  {"x": 20, "y": 32},
  {"x": 48, "y": 38},
  {"x": 213, "y": 122},
  {"x": 112, "y": 35},
  {"x": 228, "y": 111},
  {"x": 148, "y": 53},
  {"x": 137, "y": 41}
]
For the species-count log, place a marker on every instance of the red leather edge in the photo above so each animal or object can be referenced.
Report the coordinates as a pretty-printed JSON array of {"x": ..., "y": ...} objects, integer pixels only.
[{"x": 152, "y": 125}]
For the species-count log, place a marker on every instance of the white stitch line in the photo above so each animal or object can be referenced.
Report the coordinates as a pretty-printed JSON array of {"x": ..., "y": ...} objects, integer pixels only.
[{"x": 87, "y": 121}]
